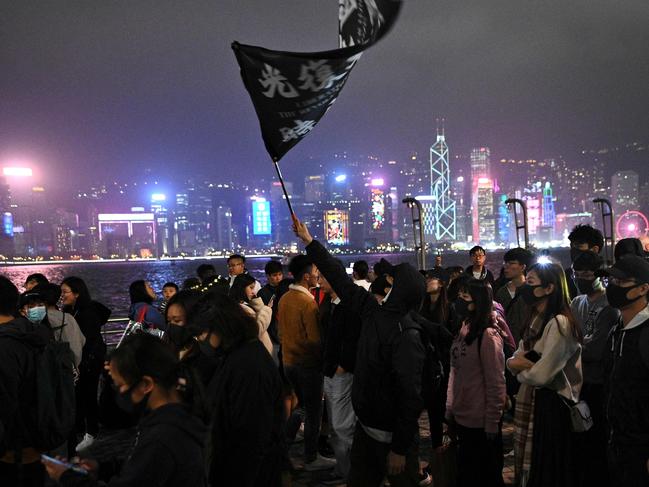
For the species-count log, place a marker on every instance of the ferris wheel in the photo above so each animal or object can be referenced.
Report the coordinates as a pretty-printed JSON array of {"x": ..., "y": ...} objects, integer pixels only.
[{"x": 632, "y": 224}]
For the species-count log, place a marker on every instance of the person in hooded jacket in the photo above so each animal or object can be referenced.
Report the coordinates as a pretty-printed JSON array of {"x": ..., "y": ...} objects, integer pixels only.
[
  {"x": 91, "y": 316},
  {"x": 168, "y": 450},
  {"x": 628, "y": 373},
  {"x": 386, "y": 393}
]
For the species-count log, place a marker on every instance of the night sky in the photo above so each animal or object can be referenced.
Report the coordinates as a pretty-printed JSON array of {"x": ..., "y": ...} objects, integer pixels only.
[{"x": 90, "y": 88}]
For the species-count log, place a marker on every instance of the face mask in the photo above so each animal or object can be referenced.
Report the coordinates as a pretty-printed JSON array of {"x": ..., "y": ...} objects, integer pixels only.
[
  {"x": 526, "y": 293},
  {"x": 617, "y": 295},
  {"x": 126, "y": 404},
  {"x": 586, "y": 286},
  {"x": 36, "y": 314},
  {"x": 179, "y": 335},
  {"x": 207, "y": 349},
  {"x": 574, "y": 253},
  {"x": 462, "y": 307}
]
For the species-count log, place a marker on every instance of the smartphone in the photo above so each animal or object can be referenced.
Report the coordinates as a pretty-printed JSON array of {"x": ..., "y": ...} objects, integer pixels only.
[
  {"x": 71, "y": 466},
  {"x": 532, "y": 356}
]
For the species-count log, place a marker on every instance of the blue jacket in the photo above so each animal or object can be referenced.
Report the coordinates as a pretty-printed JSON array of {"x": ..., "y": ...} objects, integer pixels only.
[{"x": 152, "y": 316}]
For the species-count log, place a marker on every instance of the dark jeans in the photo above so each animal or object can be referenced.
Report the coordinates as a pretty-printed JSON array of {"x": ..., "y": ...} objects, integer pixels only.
[
  {"x": 590, "y": 451},
  {"x": 307, "y": 383},
  {"x": 479, "y": 460},
  {"x": 628, "y": 466},
  {"x": 87, "y": 419},
  {"x": 369, "y": 460},
  {"x": 33, "y": 475}
]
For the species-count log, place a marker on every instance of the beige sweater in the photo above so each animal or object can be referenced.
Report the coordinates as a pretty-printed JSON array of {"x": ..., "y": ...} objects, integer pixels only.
[{"x": 263, "y": 314}]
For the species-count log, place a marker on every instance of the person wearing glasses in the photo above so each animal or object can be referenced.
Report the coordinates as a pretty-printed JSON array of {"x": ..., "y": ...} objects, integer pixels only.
[
  {"x": 477, "y": 269},
  {"x": 596, "y": 318},
  {"x": 236, "y": 267},
  {"x": 627, "y": 370}
]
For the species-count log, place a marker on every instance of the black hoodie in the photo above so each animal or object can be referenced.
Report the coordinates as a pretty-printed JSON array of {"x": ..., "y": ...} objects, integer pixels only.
[
  {"x": 91, "y": 317},
  {"x": 386, "y": 393},
  {"x": 168, "y": 452}
]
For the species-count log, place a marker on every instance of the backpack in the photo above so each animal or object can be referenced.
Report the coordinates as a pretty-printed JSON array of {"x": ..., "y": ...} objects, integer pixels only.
[
  {"x": 51, "y": 419},
  {"x": 433, "y": 372}
]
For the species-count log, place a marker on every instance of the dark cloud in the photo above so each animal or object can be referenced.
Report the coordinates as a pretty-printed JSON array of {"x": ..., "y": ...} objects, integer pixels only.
[{"x": 120, "y": 84}]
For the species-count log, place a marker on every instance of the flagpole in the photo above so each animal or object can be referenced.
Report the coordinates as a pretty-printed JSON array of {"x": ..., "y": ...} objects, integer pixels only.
[{"x": 281, "y": 181}]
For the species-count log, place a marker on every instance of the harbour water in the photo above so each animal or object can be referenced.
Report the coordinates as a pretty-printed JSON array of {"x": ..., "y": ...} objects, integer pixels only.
[{"x": 109, "y": 281}]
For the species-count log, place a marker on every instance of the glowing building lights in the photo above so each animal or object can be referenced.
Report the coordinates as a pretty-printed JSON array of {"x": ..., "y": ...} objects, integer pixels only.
[{"x": 17, "y": 171}]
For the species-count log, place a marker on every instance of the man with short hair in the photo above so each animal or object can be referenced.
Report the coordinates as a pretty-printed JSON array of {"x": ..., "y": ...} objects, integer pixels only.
[
  {"x": 360, "y": 274},
  {"x": 583, "y": 238},
  {"x": 236, "y": 267},
  {"x": 477, "y": 269},
  {"x": 299, "y": 333},
  {"x": 515, "y": 262},
  {"x": 627, "y": 373},
  {"x": 34, "y": 280},
  {"x": 596, "y": 318},
  {"x": 270, "y": 294}
]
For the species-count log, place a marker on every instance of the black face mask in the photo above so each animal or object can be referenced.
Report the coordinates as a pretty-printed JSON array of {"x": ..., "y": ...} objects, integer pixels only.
[
  {"x": 617, "y": 295},
  {"x": 585, "y": 286},
  {"x": 574, "y": 253},
  {"x": 526, "y": 292},
  {"x": 179, "y": 335},
  {"x": 462, "y": 307},
  {"x": 207, "y": 349},
  {"x": 126, "y": 404}
]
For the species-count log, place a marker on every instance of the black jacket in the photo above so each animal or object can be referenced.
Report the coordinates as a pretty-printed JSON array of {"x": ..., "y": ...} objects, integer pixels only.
[
  {"x": 627, "y": 406},
  {"x": 91, "y": 317},
  {"x": 247, "y": 421},
  {"x": 341, "y": 329},
  {"x": 386, "y": 393},
  {"x": 168, "y": 451},
  {"x": 18, "y": 340},
  {"x": 487, "y": 275}
]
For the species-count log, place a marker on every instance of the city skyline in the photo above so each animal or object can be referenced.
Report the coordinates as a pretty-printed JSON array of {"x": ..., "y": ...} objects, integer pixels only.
[{"x": 106, "y": 89}]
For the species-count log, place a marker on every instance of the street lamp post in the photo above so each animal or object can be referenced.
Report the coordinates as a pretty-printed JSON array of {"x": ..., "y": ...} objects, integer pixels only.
[{"x": 417, "y": 219}]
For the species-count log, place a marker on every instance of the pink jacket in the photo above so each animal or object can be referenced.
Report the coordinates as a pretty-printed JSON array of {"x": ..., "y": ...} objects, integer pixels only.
[{"x": 476, "y": 386}]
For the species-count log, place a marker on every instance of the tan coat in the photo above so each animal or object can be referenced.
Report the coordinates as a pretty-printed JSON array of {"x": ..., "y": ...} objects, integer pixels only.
[{"x": 299, "y": 332}]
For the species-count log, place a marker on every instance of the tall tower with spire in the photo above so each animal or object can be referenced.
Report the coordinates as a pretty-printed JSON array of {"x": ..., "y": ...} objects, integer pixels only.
[{"x": 440, "y": 188}]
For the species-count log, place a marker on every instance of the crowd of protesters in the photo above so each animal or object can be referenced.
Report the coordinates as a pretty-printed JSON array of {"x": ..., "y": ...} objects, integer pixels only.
[{"x": 213, "y": 385}]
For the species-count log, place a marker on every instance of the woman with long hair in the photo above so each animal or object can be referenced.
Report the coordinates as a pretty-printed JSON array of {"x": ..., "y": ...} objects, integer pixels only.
[
  {"x": 435, "y": 306},
  {"x": 142, "y": 310},
  {"x": 91, "y": 316},
  {"x": 243, "y": 292},
  {"x": 548, "y": 366},
  {"x": 476, "y": 389},
  {"x": 177, "y": 313},
  {"x": 169, "y": 447},
  {"x": 245, "y": 396}
]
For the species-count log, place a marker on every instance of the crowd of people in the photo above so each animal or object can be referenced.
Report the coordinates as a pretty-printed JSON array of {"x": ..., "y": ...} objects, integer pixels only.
[{"x": 214, "y": 384}]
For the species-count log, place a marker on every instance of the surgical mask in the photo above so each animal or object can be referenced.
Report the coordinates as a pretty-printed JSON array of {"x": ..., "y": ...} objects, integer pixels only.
[
  {"x": 36, "y": 314},
  {"x": 526, "y": 292},
  {"x": 179, "y": 335},
  {"x": 125, "y": 402},
  {"x": 462, "y": 307},
  {"x": 617, "y": 295}
]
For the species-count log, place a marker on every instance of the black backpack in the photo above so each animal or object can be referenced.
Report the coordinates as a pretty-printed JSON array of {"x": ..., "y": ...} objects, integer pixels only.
[
  {"x": 51, "y": 419},
  {"x": 433, "y": 372}
]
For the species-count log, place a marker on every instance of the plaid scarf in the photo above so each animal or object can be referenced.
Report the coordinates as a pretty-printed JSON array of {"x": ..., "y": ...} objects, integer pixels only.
[{"x": 524, "y": 423}]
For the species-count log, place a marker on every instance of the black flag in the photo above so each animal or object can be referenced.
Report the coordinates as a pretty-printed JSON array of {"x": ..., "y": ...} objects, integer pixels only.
[{"x": 292, "y": 91}]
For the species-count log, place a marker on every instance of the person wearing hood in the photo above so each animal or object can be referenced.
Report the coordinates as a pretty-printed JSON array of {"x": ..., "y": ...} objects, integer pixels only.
[
  {"x": 244, "y": 396},
  {"x": 63, "y": 325},
  {"x": 170, "y": 440},
  {"x": 91, "y": 316},
  {"x": 17, "y": 392},
  {"x": 387, "y": 387},
  {"x": 596, "y": 318},
  {"x": 627, "y": 370}
]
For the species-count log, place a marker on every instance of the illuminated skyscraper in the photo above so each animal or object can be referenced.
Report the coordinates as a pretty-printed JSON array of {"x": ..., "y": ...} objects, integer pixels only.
[
  {"x": 624, "y": 188},
  {"x": 484, "y": 225},
  {"x": 480, "y": 163},
  {"x": 440, "y": 189},
  {"x": 549, "y": 216}
]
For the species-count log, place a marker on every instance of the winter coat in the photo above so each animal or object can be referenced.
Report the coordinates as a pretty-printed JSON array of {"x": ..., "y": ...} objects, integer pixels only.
[
  {"x": 168, "y": 452},
  {"x": 487, "y": 275},
  {"x": 628, "y": 383},
  {"x": 342, "y": 329},
  {"x": 66, "y": 329},
  {"x": 263, "y": 316},
  {"x": 386, "y": 393},
  {"x": 299, "y": 330},
  {"x": 91, "y": 317},
  {"x": 247, "y": 422}
]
